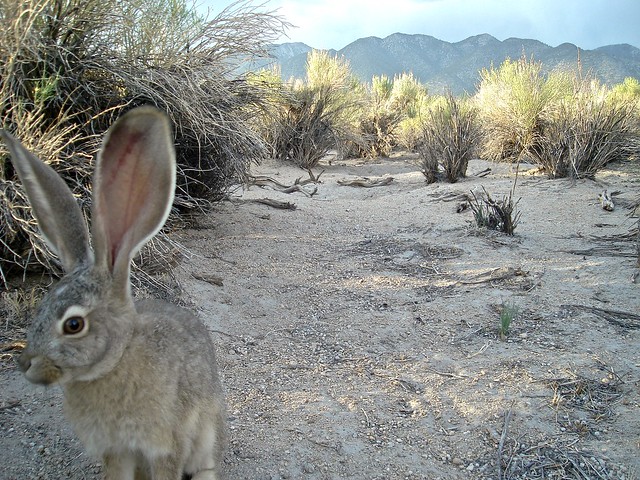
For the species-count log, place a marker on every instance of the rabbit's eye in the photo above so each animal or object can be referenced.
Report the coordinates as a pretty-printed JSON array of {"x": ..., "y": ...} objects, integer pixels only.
[
  {"x": 74, "y": 322},
  {"x": 73, "y": 325}
]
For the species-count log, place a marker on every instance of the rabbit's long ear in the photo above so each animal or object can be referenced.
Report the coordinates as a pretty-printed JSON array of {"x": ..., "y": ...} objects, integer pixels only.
[
  {"x": 133, "y": 188},
  {"x": 54, "y": 206}
]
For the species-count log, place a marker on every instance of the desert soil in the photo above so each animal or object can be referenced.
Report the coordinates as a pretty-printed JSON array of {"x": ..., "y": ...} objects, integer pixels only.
[{"x": 358, "y": 334}]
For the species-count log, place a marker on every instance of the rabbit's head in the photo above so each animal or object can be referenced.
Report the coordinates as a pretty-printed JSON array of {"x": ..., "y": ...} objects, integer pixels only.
[{"x": 85, "y": 322}]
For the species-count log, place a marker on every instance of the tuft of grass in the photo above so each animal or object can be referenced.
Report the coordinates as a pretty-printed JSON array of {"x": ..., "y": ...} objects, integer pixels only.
[
  {"x": 501, "y": 215},
  {"x": 508, "y": 313}
]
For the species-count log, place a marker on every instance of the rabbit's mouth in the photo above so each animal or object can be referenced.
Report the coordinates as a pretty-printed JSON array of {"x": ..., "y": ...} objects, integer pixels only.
[{"x": 39, "y": 369}]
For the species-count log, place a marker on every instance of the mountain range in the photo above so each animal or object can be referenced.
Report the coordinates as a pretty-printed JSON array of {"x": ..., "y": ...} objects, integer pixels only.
[{"x": 456, "y": 66}]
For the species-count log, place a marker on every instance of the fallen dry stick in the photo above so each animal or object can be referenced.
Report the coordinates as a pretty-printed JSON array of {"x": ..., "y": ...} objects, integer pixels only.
[
  {"x": 627, "y": 320},
  {"x": 276, "y": 203},
  {"x": 495, "y": 274},
  {"x": 262, "y": 181},
  {"x": 211, "y": 279},
  {"x": 366, "y": 182}
]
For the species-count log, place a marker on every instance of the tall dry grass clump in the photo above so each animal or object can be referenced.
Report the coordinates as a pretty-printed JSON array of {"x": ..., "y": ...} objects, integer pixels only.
[
  {"x": 70, "y": 67},
  {"x": 450, "y": 136}
]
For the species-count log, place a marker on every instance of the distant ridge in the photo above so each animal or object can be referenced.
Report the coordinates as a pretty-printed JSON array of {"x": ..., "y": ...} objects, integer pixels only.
[{"x": 443, "y": 65}]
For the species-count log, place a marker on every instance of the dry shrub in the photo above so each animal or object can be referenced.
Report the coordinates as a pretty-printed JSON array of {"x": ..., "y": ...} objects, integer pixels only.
[
  {"x": 317, "y": 115},
  {"x": 375, "y": 131},
  {"x": 70, "y": 67},
  {"x": 450, "y": 135},
  {"x": 378, "y": 120},
  {"x": 303, "y": 132},
  {"x": 501, "y": 215},
  {"x": 582, "y": 135}
]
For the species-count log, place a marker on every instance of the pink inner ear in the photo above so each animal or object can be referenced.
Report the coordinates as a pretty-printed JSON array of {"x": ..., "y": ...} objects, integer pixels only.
[
  {"x": 133, "y": 187},
  {"x": 126, "y": 185},
  {"x": 117, "y": 180}
]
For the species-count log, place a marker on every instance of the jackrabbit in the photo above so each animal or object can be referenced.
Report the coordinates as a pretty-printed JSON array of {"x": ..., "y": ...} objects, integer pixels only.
[{"x": 140, "y": 380}]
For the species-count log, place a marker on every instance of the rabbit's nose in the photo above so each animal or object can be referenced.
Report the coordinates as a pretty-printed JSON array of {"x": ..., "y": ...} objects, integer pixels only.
[{"x": 39, "y": 369}]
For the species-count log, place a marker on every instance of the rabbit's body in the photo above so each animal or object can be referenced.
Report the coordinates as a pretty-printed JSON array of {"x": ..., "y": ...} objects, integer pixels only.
[
  {"x": 134, "y": 410},
  {"x": 140, "y": 380}
]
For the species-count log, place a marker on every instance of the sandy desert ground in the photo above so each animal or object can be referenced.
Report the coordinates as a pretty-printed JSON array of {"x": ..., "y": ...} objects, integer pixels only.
[{"x": 358, "y": 334}]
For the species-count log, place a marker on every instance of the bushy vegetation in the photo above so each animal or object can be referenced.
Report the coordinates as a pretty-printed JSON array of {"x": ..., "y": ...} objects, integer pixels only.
[
  {"x": 566, "y": 123},
  {"x": 582, "y": 134},
  {"x": 70, "y": 67},
  {"x": 411, "y": 99},
  {"x": 331, "y": 110},
  {"x": 500, "y": 215},
  {"x": 316, "y": 115},
  {"x": 450, "y": 135},
  {"x": 511, "y": 100},
  {"x": 627, "y": 92},
  {"x": 377, "y": 120}
]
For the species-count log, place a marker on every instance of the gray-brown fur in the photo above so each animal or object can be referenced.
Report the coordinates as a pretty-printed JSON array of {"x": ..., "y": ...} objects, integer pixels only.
[{"x": 140, "y": 380}]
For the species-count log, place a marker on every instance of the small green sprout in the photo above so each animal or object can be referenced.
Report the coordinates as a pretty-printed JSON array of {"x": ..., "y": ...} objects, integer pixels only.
[{"x": 507, "y": 314}]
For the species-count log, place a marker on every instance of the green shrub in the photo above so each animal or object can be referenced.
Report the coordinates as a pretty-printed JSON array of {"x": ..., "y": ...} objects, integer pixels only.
[
  {"x": 627, "y": 92},
  {"x": 511, "y": 100},
  {"x": 317, "y": 115},
  {"x": 581, "y": 135},
  {"x": 450, "y": 135},
  {"x": 410, "y": 99},
  {"x": 377, "y": 121}
]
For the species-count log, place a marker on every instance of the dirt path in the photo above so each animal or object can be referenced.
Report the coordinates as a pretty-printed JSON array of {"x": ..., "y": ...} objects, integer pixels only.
[{"x": 358, "y": 334}]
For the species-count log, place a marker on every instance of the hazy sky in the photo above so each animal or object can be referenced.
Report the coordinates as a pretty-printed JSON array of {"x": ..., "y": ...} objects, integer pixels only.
[{"x": 325, "y": 24}]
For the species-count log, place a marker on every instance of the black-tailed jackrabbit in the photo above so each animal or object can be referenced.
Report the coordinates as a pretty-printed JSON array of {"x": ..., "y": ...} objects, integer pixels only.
[{"x": 140, "y": 380}]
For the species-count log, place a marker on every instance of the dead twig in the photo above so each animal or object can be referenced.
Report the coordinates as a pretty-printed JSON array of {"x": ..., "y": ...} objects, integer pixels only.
[
  {"x": 211, "y": 279},
  {"x": 15, "y": 346},
  {"x": 447, "y": 374},
  {"x": 275, "y": 203},
  {"x": 312, "y": 178},
  {"x": 483, "y": 173},
  {"x": 495, "y": 275},
  {"x": 503, "y": 437},
  {"x": 262, "y": 181},
  {"x": 366, "y": 182},
  {"x": 622, "y": 319},
  {"x": 10, "y": 405}
]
